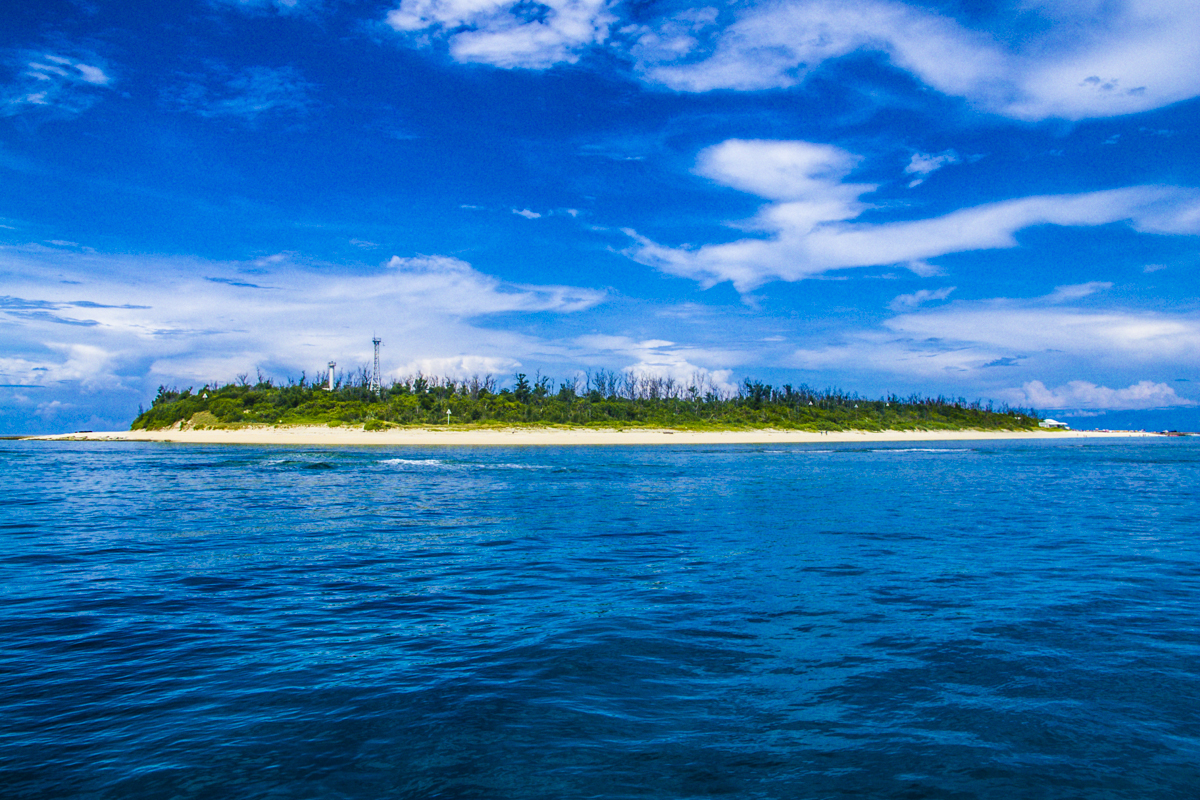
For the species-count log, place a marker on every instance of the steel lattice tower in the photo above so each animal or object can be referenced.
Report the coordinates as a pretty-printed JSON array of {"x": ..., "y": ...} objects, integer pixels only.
[{"x": 375, "y": 385}]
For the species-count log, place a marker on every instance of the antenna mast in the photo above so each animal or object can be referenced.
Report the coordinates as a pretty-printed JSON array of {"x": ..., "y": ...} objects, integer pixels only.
[{"x": 375, "y": 387}]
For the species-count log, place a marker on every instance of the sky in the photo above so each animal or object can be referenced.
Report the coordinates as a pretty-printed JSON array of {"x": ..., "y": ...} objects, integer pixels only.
[{"x": 983, "y": 199}]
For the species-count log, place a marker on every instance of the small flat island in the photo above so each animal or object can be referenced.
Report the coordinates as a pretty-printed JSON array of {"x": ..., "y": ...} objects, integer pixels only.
[{"x": 606, "y": 408}]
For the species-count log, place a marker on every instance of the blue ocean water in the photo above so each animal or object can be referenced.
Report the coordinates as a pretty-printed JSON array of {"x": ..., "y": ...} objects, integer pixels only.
[{"x": 972, "y": 620}]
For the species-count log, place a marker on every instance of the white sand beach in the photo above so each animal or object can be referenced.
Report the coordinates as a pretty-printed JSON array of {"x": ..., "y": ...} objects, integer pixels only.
[{"x": 507, "y": 437}]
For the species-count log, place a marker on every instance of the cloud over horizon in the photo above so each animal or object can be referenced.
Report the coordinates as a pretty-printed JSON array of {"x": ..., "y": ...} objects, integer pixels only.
[
  {"x": 1082, "y": 395},
  {"x": 968, "y": 337},
  {"x": 196, "y": 320}
]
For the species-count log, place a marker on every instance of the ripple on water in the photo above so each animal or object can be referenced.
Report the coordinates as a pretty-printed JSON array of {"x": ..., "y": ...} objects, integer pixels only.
[{"x": 983, "y": 621}]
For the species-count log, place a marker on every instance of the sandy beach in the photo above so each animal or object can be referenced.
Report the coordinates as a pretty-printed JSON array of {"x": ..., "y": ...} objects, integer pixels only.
[{"x": 507, "y": 437}]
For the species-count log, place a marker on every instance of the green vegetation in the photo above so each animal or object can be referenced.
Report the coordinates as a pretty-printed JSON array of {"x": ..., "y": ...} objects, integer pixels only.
[{"x": 602, "y": 399}]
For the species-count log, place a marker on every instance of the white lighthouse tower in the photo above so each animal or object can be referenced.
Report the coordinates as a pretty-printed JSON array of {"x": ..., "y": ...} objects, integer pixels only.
[{"x": 375, "y": 384}]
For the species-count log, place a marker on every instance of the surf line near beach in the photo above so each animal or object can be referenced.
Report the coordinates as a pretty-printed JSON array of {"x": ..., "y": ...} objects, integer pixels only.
[{"x": 552, "y": 436}]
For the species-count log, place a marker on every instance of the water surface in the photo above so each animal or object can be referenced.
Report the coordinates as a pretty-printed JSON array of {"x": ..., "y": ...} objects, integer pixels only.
[{"x": 967, "y": 620}]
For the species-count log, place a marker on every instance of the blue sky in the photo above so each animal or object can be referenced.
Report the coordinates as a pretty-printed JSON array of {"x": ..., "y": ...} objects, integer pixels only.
[{"x": 992, "y": 200}]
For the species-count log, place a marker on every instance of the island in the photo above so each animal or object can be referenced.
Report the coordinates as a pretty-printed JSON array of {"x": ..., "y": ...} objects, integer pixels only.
[
  {"x": 602, "y": 408},
  {"x": 605, "y": 401}
]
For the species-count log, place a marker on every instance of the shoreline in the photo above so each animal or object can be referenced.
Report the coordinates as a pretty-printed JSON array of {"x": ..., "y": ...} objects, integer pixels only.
[{"x": 509, "y": 437}]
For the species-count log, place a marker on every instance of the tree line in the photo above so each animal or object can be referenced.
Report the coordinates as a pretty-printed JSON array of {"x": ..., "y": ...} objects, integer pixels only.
[{"x": 603, "y": 398}]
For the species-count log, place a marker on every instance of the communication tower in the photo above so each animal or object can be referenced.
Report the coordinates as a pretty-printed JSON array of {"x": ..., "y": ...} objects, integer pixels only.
[{"x": 375, "y": 387}]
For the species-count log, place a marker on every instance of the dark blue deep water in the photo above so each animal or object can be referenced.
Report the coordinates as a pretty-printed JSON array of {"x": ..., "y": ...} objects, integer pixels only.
[{"x": 976, "y": 620}]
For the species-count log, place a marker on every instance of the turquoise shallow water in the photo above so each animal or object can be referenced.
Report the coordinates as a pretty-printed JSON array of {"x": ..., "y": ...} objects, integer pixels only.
[{"x": 976, "y": 620}]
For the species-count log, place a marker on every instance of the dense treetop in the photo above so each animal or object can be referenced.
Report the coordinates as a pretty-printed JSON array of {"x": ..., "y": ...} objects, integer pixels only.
[{"x": 600, "y": 399}]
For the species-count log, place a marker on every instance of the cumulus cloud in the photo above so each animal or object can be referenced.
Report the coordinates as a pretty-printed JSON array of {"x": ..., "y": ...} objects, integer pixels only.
[
  {"x": 966, "y": 341},
  {"x": 526, "y": 213},
  {"x": 664, "y": 359},
  {"x": 1083, "y": 60},
  {"x": 52, "y": 83},
  {"x": 458, "y": 367},
  {"x": 247, "y": 94},
  {"x": 504, "y": 33},
  {"x": 787, "y": 171},
  {"x": 76, "y": 363},
  {"x": 1083, "y": 395},
  {"x": 163, "y": 316},
  {"x": 809, "y": 230}
]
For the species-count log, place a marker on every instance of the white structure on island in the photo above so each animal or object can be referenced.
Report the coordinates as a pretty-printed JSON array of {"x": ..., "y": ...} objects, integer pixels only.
[
  {"x": 332, "y": 364},
  {"x": 1053, "y": 423},
  {"x": 375, "y": 385}
]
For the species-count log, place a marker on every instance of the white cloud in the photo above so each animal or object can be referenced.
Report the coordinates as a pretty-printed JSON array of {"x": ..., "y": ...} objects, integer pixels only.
[
  {"x": 1071, "y": 60},
  {"x": 50, "y": 410},
  {"x": 60, "y": 68},
  {"x": 506, "y": 33},
  {"x": 1078, "y": 60},
  {"x": 527, "y": 214},
  {"x": 919, "y": 298},
  {"x": 775, "y": 45},
  {"x": 924, "y": 164},
  {"x": 787, "y": 171},
  {"x": 197, "y": 320},
  {"x": 86, "y": 365},
  {"x": 987, "y": 343},
  {"x": 52, "y": 83},
  {"x": 92, "y": 75},
  {"x": 457, "y": 367},
  {"x": 808, "y": 232},
  {"x": 1084, "y": 395},
  {"x": 1106, "y": 335},
  {"x": 1063, "y": 294},
  {"x": 664, "y": 359},
  {"x": 882, "y": 353}
]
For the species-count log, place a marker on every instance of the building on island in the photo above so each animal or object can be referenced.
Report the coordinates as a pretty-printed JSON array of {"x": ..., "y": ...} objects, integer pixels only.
[{"x": 1053, "y": 423}]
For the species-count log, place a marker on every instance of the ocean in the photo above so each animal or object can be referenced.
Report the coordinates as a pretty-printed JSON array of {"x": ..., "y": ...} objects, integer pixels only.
[{"x": 970, "y": 620}]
